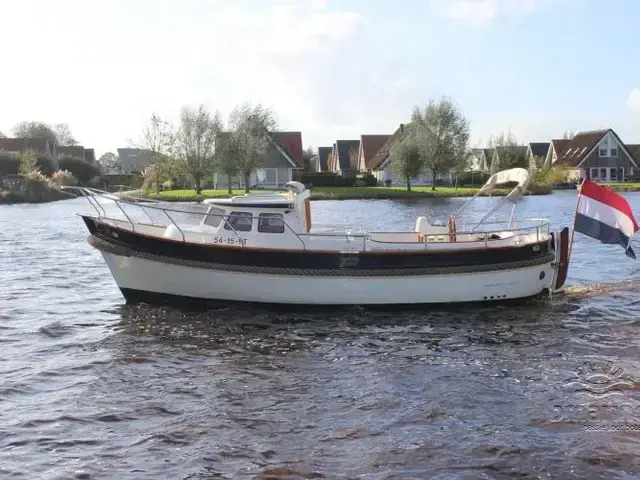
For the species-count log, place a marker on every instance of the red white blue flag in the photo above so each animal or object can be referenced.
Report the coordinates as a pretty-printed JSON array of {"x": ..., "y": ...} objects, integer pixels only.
[{"x": 606, "y": 216}]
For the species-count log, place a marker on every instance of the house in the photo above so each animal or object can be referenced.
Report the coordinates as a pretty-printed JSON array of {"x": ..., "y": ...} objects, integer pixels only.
[
  {"x": 41, "y": 146},
  {"x": 71, "y": 151},
  {"x": 381, "y": 166},
  {"x": 509, "y": 157},
  {"x": 323, "y": 158},
  {"x": 134, "y": 159},
  {"x": 536, "y": 154},
  {"x": 556, "y": 149},
  {"x": 480, "y": 160},
  {"x": 282, "y": 157},
  {"x": 90, "y": 156},
  {"x": 369, "y": 146},
  {"x": 599, "y": 155},
  {"x": 345, "y": 156}
]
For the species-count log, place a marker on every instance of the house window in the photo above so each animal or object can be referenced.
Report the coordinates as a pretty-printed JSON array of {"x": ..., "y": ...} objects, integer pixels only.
[
  {"x": 214, "y": 217},
  {"x": 603, "y": 152},
  {"x": 613, "y": 152},
  {"x": 594, "y": 173},
  {"x": 613, "y": 172},
  {"x": 602, "y": 174},
  {"x": 239, "y": 221},
  {"x": 270, "y": 223}
]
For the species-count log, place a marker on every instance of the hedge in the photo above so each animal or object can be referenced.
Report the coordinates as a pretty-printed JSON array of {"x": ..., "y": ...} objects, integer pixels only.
[
  {"x": 80, "y": 169},
  {"x": 10, "y": 164}
]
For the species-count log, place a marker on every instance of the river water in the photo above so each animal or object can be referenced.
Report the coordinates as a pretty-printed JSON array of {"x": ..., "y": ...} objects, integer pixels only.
[{"x": 90, "y": 388}]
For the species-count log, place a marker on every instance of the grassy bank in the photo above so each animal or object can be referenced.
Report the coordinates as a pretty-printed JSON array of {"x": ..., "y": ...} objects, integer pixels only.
[{"x": 346, "y": 193}]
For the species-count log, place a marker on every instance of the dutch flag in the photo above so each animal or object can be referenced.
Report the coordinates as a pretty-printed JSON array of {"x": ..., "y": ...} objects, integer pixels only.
[{"x": 606, "y": 216}]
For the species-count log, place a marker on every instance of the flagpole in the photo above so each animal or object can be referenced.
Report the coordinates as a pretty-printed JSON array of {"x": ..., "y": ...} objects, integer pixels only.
[{"x": 575, "y": 215}]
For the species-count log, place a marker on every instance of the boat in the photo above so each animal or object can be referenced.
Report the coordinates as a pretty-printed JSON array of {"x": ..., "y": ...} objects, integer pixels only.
[{"x": 264, "y": 248}]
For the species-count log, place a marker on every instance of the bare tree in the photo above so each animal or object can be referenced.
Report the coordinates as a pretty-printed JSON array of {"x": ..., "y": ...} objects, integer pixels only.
[
  {"x": 157, "y": 136},
  {"x": 307, "y": 157},
  {"x": 508, "y": 152},
  {"x": 354, "y": 160},
  {"x": 251, "y": 126},
  {"x": 196, "y": 142},
  {"x": 63, "y": 135},
  {"x": 407, "y": 159},
  {"x": 442, "y": 134}
]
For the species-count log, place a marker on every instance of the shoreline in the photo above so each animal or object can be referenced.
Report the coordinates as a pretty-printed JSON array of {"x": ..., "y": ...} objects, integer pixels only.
[{"x": 345, "y": 193}]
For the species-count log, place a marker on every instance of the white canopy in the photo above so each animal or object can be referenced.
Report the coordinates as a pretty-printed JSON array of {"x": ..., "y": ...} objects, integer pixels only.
[{"x": 519, "y": 175}]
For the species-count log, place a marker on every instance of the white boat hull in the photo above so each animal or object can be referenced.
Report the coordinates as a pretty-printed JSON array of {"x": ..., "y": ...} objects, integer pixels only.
[{"x": 139, "y": 278}]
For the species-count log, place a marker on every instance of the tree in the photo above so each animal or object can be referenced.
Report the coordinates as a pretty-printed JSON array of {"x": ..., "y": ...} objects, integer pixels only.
[
  {"x": 251, "y": 126},
  {"x": 196, "y": 142},
  {"x": 307, "y": 158},
  {"x": 407, "y": 158},
  {"x": 568, "y": 135},
  {"x": 354, "y": 159},
  {"x": 2, "y": 135},
  {"x": 228, "y": 156},
  {"x": 442, "y": 135},
  {"x": 28, "y": 162},
  {"x": 509, "y": 153},
  {"x": 35, "y": 130},
  {"x": 63, "y": 135},
  {"x": 58, "y": 134},
  {"x": 109, "y": 163},
  {"x": 158, "y": 138}
]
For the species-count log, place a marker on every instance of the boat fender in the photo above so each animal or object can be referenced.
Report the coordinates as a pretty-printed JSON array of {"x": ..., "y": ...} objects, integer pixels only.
[{"x": 452, "y": 228}]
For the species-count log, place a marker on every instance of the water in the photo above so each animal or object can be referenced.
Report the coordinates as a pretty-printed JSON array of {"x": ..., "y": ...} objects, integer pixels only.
[{"x": 90, "y": 388}]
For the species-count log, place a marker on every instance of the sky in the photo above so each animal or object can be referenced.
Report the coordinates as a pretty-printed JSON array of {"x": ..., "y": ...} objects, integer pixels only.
[{"x": 332, "y": 69}]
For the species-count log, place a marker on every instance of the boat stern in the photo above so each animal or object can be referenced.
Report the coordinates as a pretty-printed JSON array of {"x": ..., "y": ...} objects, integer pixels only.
[{"x": 561, "y": 262}]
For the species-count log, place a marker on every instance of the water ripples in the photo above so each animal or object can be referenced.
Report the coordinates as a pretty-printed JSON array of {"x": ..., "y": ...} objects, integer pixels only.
[{"x": 91, "y": 388}]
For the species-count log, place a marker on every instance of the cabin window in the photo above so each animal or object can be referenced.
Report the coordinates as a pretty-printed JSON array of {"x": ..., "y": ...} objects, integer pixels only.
[
  {"x": 214, "y": 217},
  {"x": 270, "y": 223},
  {"x": 239, "y": 221}
]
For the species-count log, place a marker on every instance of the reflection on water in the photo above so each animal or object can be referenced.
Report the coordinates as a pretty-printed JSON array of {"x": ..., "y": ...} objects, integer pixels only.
[{"x": 91, "y": 388}]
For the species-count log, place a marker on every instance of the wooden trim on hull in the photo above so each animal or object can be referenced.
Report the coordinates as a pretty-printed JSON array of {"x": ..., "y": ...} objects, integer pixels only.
[
  {"x": 124, "y": 251},
  {"x": 318, "y": 263}
]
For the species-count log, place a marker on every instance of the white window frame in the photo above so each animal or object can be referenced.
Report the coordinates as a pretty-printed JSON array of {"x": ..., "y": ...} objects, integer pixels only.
[
  {"x": 601, "y": 154},
  {"x": 611, "y": 150}
]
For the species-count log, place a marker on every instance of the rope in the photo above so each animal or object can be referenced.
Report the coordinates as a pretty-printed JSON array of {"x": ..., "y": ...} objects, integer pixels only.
[{"x": 120, "y": 250}]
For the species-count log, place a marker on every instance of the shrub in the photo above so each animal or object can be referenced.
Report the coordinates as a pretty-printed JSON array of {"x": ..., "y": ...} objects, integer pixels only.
[
  {"x": 387, "y": 182},
  {"x": 63, "y": 178},
  {"x": 360, "y": 183},
  {"x": 28, "y": 162},
  {"x": 326, "y": 179},
  {"x": 473, "y": 178},
  {"x": 82, "y": 170},
  {"x": 370, "y": 180}
]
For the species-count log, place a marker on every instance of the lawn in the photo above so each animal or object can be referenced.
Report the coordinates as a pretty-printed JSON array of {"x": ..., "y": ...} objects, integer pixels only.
[{"x": 339, "y": 193}]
